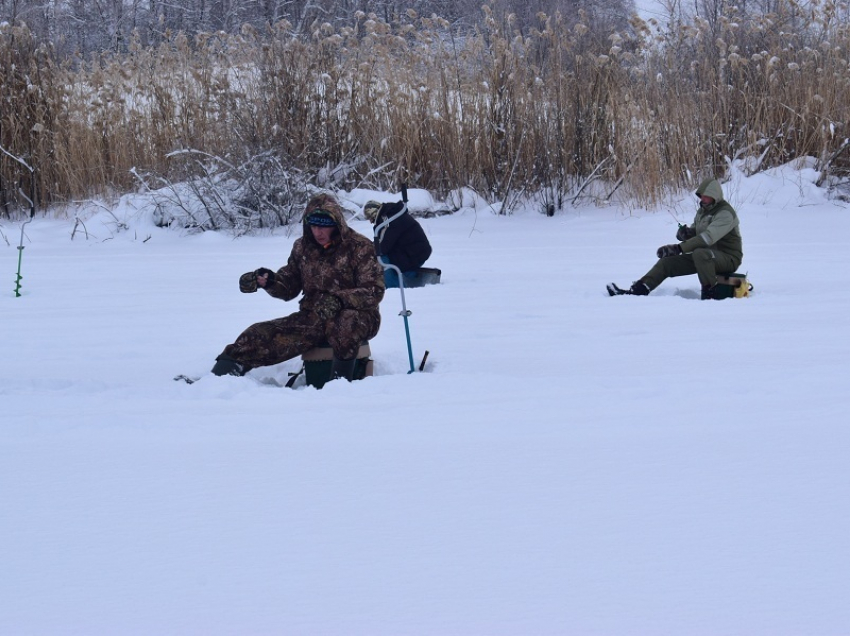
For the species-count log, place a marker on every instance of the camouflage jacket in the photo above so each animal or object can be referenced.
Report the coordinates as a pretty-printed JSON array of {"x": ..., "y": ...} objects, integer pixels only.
[{"x": 348, "y": 268}]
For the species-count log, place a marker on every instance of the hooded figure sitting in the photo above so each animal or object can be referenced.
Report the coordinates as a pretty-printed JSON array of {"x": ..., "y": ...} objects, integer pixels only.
[
  {"x": 710, "y": 246},
  {"x": 342, "y": 282},
  {"x": 401, "y": 243}
]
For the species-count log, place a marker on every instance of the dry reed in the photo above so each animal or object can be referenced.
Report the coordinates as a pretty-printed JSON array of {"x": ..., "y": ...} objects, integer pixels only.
[{"x": 553, "y": 113}]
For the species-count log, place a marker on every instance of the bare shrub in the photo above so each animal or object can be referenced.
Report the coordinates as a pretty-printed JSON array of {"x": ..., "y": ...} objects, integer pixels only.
[{"x": 214, "y": 194}]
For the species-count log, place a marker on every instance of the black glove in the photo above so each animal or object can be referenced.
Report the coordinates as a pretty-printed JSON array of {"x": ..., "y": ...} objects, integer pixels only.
[
  {"x": 669, "y": 250},
  {"x": 248, "y": 283},
  {"x": 685, "y": 233},
  {"x": 327, "y": 306},
  {"x": 269, "y": 276}
]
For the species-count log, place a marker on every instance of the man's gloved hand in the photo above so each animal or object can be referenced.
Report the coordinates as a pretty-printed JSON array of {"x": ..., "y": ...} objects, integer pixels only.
[
  {"x": 266, "y": 275},
  {"x": 685, "y": 233},
  {"x": 669, "y": 250},
  {"x": 248, "y": 283},
  {"x": 327, "y": 306}
]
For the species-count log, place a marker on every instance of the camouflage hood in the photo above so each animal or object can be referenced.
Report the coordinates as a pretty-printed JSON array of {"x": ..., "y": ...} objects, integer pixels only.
[{"x": 325, "y": 203}]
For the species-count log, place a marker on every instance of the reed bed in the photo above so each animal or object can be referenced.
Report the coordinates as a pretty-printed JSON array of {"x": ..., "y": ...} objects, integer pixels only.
[{"x": 553, "y": 114}]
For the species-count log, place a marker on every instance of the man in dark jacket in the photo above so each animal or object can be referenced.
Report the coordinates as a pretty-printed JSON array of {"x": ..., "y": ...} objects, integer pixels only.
[
  {"x": 401, "y": 243},
  {"x": 342, "y": 282},
  {"x": 711, "y": 246}
]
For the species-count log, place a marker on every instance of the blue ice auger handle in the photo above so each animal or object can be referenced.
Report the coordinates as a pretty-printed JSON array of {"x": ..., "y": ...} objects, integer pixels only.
[{"x": 405, "y": 312}]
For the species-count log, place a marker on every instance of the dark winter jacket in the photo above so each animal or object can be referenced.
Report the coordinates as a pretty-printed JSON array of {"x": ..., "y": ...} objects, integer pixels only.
[
  {"x": 403, "y": 241},
  {"x": 347, "y": 268},
  {"x": 716, "y": 225}
]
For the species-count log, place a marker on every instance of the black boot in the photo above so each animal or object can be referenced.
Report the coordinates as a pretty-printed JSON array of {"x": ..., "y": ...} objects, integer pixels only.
[
  {"x": 225, "y": 365},
  {"x": 343, "y": 368},
  {"x": 639, "y": 288},
  {"x": 707, "y": 292}
]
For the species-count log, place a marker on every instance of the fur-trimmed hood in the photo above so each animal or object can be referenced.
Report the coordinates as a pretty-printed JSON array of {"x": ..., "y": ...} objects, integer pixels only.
[{"x": 326, "y": 203}]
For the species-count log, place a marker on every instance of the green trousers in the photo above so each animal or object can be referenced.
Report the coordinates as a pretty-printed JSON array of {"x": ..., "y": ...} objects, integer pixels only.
[{"x": 705, "y": 262}]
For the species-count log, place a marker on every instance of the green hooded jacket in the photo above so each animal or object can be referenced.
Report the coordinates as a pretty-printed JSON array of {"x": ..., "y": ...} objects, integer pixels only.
[{"x": 716, "y": 225}]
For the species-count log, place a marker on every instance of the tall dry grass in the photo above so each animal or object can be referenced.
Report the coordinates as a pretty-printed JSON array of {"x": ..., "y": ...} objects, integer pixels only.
[
  {"x": 555, "y": 113},
  {"x": 29, "y": 106}
]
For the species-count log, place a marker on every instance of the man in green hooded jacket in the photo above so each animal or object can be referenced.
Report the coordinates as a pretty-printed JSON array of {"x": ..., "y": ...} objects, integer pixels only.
[{"x": 710, "y": 246}]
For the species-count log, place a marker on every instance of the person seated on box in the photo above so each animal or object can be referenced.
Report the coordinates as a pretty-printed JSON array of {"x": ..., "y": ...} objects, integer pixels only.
[
  {"x": 342, "y": 284},
  {"x": 712, "y": 245},
  {"x": 401, "y": 243}
]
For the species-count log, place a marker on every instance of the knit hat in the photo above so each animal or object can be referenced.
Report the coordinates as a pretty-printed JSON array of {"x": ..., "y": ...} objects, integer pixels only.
[
  {"x": 321, "y": 218},
  {"x": 371, "y": 209}
]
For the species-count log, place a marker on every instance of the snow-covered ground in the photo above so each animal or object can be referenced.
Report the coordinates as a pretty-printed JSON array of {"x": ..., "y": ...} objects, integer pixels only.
[{"x": 568, "y": 463}]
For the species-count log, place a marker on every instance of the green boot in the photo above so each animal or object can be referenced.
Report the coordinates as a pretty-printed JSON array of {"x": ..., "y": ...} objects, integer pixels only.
[{"x": 343, "y": 368}]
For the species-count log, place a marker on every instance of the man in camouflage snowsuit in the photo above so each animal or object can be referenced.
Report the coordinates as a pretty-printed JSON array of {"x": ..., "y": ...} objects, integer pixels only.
[
  {"x": 712, "y": 245},
  {"x": 337, "y": 270}
]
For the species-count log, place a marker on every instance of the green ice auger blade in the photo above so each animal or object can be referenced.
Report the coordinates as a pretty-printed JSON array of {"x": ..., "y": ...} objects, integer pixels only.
[{"x": 19, "y": 277}]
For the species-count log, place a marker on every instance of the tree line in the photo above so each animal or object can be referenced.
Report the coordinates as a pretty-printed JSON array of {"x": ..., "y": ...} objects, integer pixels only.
[{"x": 80, "y": 27}]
